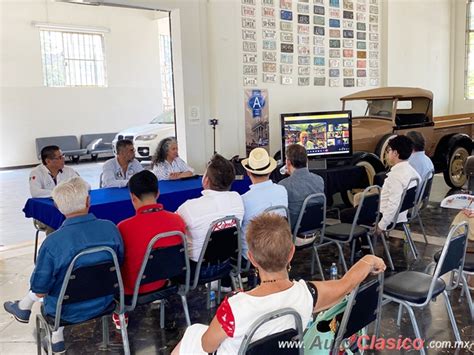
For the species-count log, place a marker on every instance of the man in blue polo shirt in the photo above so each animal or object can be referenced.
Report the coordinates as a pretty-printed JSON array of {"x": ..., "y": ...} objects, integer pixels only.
[{"x": 81, "y": 230}]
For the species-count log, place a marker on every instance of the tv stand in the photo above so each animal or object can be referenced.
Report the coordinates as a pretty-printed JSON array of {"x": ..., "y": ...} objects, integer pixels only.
[{"x": 317, "y": 164}]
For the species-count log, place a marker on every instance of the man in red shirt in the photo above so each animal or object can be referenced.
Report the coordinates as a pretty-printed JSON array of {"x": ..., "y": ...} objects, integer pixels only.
[{"x": 137, "y": 231}]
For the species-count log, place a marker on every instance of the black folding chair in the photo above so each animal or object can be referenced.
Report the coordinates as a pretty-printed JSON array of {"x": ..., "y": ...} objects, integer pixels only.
[
  {"x": 363, "y": 307},
  {"x": 162, "y": 263},
  {"x": 310, "y": 223},
  {"x": 416, "y": 289},
  {"x": 408, "y": 202},
  {"x": 86, "y": 283},
  {"x": 222, "y": 244},
  {"x": 271, "y": 343},
  {"x": 40, "y": 227},
  {"x": 340, "y": 234}
]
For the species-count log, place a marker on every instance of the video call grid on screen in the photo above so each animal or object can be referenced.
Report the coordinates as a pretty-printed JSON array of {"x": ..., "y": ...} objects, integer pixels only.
[{"x": 323, "y": 134}]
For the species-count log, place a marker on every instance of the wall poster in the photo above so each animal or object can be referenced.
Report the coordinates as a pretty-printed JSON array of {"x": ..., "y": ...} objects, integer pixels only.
[{"x": 256, "y": 119}]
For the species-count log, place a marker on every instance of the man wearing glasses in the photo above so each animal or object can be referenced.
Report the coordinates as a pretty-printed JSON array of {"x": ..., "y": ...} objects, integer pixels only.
[
  {"x": 117, "y": 171},
  {"x": 45, "y": 177}
]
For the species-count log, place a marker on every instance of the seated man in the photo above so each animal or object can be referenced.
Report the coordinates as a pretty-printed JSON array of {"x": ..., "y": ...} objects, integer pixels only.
[
  {"x": 216, "y": 202},
  {"x": 263, "y": 192},
  {"x": 80, "y": 230},
  {"x": 300, "y": 184},
  {"x": 137, "y": 231},
  {"x": 117, "y": 171},
  {"x": 418, "y": 158},
  {"x": 52, "y": 171},
  {"x": 399, "y": 150}
]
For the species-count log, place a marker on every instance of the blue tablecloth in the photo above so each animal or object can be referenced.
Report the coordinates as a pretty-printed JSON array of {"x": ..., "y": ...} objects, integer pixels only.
[{"x": 115, "y": 205}]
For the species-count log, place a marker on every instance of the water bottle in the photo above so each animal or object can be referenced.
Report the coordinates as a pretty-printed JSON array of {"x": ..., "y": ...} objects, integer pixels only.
[
  {"x": 333, "y": 272},
  {"x": 212, "y": 299}
]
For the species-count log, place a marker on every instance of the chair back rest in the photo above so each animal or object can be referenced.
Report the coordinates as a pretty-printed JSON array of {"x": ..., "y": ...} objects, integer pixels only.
[
  {"x": 363, "y": 307},
  {"x": 408, "y": 200},
  {"x": 312, "y": 216},
  {"x": 426, "y": 189},
  {"x": 279, "y": 209},
  {"x": 91, "y": 281},
  {"x": 454, "y": 251},
  {"x": 222, "y": 241},
  {"x": 270, "y": 343},
  {"x": 161, "y": 263},
  {"x": 367, "y": 213},
  {"x": 101, "y": 180},
  {"x": 65, "y": 143}
]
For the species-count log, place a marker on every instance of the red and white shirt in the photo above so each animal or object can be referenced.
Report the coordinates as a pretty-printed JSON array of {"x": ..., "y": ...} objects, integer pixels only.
[{"x": 238, "y": 312}]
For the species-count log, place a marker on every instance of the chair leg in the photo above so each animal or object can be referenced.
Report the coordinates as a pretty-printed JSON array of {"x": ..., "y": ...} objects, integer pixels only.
[
  {"x": 36, "y": 246},
  {"x": 185, "y": 309},
  {"x": 219, "y": 291},
  {"x": 341, "y": 255},
  {"x": 414, "y": 251},
  {"x": 387, "y": 251},
  {"x": 105, "y": 333},
  {"x": 318, "y": 261},
  {"x": 208, "y": 296},
  {"x": 123, "y": 330},
  {"x": 313, "y": 257},
  {"x": 415, "y": 326},
  {"x": 422, "y": 228},
  {"x": 162, "y": 314},
  {"x": 353, "y": 244},
  {"x": 369, "y": 240},
  {"x": 40, "y": 323},
  {"x": 399, "y": 317},
  {"x": 451, "y": 316}
]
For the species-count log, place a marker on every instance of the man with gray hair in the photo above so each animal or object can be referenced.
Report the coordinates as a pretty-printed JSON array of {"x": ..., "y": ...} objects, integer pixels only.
[
  {"x": 80, "y": 230},
  {"x": 418, "y": 158}
]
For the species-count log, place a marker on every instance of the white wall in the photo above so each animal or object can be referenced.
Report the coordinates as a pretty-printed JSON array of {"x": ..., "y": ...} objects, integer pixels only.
[
  {"x": 418, "y": 41},
  {"x": 30, "y": 110},
  {"x": 459, "y": 103}
]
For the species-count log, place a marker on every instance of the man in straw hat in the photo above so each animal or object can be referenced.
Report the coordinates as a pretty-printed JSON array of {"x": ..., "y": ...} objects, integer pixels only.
[{"x": 263, "y": 192}]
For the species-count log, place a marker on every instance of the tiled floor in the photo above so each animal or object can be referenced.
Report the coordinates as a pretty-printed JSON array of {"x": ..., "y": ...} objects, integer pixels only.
[{"x": 145, "y": 335}]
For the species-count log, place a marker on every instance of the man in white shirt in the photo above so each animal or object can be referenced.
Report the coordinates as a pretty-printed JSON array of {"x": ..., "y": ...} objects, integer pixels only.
[
  {"x": 216, "y": 202},
  {"x": 117, "y": 171},
  {"x": 263, "y": 192},
  {"x": 418, "y": 159},
  {"x": 397, "y": 181},
  {"x": 52, "y": 171}
]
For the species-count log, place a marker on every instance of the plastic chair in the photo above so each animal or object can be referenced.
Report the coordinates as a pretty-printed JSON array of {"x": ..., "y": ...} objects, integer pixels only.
[
  {"x": 222, "y": 243},
  {"x": 270, "y": 343},
  {"x": 86, "y": 283},
  {"x": 365, "y": 218},
  {"x": 363, "y": 307},
  {"x": 416, "y": 289},
  {"x": 162, "y": 263}
]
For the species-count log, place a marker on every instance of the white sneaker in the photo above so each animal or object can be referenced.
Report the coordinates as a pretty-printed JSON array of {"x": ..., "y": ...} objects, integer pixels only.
[{"x": 215, "y": 285}]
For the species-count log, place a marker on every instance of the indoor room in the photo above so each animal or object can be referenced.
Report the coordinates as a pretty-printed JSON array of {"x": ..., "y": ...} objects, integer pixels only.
[{"x": 239, "y": 176}]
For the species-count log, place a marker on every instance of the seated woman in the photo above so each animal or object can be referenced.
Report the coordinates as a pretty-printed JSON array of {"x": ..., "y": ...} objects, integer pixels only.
[
  {"x": 167, "y": 165},
  {"x": 270, "y": 251}
]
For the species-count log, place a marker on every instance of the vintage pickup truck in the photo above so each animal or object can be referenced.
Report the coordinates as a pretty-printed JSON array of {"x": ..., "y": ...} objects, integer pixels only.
[{"x": 397, "y": 110}]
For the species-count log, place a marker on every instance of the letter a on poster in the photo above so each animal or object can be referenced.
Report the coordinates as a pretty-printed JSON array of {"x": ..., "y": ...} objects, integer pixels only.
[{"x": 256, "y": 119}]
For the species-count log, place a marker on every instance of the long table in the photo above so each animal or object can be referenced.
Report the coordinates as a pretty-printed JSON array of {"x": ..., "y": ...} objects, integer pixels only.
[{"x": 115, "y": 205}]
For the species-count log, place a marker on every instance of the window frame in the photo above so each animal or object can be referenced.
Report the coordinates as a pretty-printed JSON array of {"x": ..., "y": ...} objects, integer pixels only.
[
  {"x": 66, "y": 35},
  {"x": 469, "y": 51}
]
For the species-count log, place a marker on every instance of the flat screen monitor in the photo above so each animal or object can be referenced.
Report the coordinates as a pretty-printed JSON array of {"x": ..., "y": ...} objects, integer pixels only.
[{"x": 323, "y": 134}]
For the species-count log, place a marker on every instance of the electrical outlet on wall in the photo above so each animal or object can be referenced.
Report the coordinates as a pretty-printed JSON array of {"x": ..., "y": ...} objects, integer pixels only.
[{"x": 194, "y": 115}]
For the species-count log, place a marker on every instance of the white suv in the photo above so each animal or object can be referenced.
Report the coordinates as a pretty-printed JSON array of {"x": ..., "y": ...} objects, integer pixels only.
[{"x": 146, "y": 137}]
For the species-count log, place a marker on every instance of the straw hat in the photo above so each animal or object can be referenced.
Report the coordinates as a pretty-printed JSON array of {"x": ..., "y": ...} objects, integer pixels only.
[{"x": 259, "y": 162}]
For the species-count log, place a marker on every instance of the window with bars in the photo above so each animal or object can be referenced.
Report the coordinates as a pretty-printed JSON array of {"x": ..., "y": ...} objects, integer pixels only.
[
  {"x": 73, "y": 59},
  {"x": 166, "y": 72},
  {"x": 469, "y": 76}
]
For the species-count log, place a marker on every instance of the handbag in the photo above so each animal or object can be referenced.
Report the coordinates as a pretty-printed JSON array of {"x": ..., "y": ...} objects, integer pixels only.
[{"x": 319, "y": 336}]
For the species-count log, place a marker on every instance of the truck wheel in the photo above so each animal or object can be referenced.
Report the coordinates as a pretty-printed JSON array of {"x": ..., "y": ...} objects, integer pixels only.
[
  {"x": 381, "y": 149},
  {"x": 372, "y": 166},
  {"x": 454, "y": 174}
]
